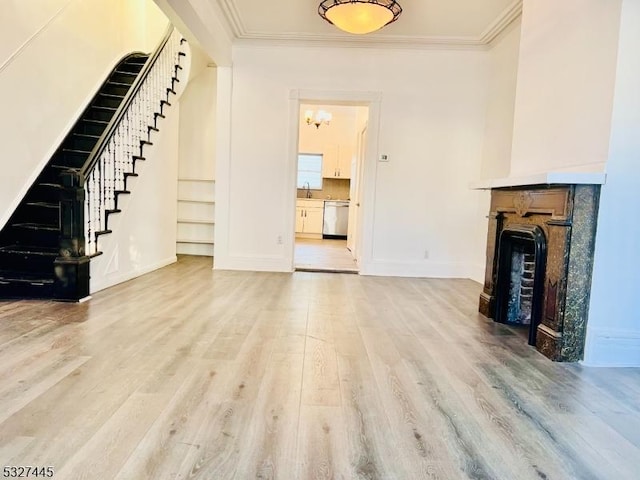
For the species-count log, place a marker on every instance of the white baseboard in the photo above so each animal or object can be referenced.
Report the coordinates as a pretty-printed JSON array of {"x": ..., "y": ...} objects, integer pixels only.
[
  {"x": 255, "y": 264},
  {"x": 200, "y": 249},
  {"x": 120, "y": 277},
  {"x": 392, "y": 268},
  {"x": 612, "y": 348}
]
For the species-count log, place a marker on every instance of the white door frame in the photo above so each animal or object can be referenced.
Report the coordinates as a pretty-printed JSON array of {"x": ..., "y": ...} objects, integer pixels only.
[{"x": 371, "y": 100}]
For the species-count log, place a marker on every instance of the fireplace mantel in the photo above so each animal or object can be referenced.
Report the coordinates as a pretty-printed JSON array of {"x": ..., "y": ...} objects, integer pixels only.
[
  {"x": 566, "y": 214},
  {"x": 547, "y": 178}
]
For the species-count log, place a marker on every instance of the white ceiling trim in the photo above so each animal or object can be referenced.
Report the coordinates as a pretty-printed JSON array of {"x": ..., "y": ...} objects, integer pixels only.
[
  {"x": 234, "y": 20},
  {"x": 503, "y": 20}
]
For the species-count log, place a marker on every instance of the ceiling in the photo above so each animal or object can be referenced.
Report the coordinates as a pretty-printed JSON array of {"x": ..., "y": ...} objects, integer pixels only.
[{"x": 456, "y": 22}]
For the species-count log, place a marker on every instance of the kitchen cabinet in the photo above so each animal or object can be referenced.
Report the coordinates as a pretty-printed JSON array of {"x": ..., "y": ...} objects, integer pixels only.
[
  {"x": 309, "y": 216},
  {"x": 336, "y": 161}
]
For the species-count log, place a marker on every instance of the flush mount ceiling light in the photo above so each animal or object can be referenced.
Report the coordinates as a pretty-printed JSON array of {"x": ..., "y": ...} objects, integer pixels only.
[
  {"x": 360, "y": 16},
  {"x": 318, "y": 119}
]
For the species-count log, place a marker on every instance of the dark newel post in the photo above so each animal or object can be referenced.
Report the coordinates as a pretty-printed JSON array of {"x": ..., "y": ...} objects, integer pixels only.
[{"x": 72, "y": 265}]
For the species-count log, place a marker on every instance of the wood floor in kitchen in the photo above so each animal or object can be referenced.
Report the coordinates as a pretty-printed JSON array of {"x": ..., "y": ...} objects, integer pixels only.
[
  {"x": 192, "y": 373},
  {"x": 324, "y": 255}
]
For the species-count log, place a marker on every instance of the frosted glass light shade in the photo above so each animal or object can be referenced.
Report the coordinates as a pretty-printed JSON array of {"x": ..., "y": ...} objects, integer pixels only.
[{"x": 359, "y": 16}]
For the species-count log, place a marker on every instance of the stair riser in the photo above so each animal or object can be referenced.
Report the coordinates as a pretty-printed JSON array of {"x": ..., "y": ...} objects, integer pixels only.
[
  {"x": 44, "y": 194},
  {"x": 103, "y": 115},
  {"x": 80, "y": 143},
  {"x": 131, "y": 67},
  {"x": 16, "y": 290},
  {"x": 116, "y": 89},
  {"x": 72, "y": 159},
  {"x": 90, "y": 128},
  {"x": 108, "y": 102},
  {"x": 30, "y": 263},
  {"x": 50, "y": 175},
  {"x": 97, "y": 114},
  {"x": 45, "y": 238},
  {"x": 37, "y": 214},
  {"x": 122, "y": 78}
]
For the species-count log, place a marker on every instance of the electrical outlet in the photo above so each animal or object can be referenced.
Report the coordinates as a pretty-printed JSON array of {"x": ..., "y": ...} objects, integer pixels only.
[{"x": 279, "y": 240}]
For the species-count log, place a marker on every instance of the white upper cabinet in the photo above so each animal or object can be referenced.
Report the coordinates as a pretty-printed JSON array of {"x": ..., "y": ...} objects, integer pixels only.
[{"x": 336, "y": 161}]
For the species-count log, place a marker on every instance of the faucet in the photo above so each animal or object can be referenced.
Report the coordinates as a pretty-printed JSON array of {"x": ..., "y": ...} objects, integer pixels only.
[{"x": 308, "y": 187}]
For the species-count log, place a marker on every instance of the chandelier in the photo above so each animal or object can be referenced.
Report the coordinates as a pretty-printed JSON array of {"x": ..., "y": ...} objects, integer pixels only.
[
  {"x": 320, "y": 117},
  {"x": 359, "y": 16}
]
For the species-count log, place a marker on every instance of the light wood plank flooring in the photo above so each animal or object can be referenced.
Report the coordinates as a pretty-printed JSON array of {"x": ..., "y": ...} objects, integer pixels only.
[
  {"x": 193, "y": 374},
  {"x": 324, "y": 255}
]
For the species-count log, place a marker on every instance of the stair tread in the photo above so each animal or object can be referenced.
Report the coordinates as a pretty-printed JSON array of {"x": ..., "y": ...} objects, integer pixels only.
[
  {"x": 111, "y": 95},
  {"x": 194, "y": 240},
  {"x": 31, "y": 250},
  {"x": 118, "y": 84},
  {"x": 91, "y": 120},
  {"x": 86, "y": 135},
  {"x": 76, "y": 150},
  {"x": 51, "y": 185},
  {"x": 44, "y": 204},
  {"x": 120, "y": 72},
  {"x": 196, "y": 221},
  {"x": 100, "y": 107},
  {"x": 25, "y": 277},
  {"x": 36, "y": 226},
  {"x": 66, "y": 167}
]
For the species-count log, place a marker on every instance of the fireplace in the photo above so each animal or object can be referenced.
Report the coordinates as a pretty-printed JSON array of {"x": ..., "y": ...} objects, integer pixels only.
[
  {"x": 539, "y": 262},
  {"x": 522, "y": 257}
]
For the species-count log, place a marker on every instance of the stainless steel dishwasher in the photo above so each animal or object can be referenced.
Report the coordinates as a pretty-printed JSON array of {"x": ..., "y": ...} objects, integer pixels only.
[{"x": 336, "y": 219}]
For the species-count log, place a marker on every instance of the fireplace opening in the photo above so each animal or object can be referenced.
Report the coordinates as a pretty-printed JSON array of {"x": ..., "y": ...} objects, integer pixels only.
[{"x": 520, "y": 279}]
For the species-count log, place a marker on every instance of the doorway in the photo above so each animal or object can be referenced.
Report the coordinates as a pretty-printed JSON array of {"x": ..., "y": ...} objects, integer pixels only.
[{"x": 330, "y": 156}]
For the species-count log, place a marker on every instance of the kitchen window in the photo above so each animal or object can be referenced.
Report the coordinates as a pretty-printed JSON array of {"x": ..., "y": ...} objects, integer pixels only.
[{"x": 310, "y": 170}]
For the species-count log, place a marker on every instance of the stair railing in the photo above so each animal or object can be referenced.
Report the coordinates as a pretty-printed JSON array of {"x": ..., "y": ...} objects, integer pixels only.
[{"x": 92, "y": 193}]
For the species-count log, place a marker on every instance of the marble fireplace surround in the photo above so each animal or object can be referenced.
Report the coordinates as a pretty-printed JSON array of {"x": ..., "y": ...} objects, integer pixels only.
[{"x": 566, "y": 211}]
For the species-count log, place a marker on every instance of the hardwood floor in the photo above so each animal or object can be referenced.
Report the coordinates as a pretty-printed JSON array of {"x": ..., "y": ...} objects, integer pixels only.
[
  {"x": 190, "y": 373},
  {"x": 324, "y": 255}
]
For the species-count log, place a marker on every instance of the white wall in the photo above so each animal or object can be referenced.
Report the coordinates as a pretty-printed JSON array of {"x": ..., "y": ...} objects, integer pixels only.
[
  {"x": 432, "y": 115},
  {"x": 566, "y": 76},
  {"x": 498, "y": 133},
  {"x": 613, "y": 330},
  {"x": 53, "y": 58},
  {"x": 198, "y": 123},
  {"x": 144, "y": 234}
]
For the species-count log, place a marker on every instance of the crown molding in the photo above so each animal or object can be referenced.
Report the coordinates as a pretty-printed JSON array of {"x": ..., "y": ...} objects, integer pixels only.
[
  {"x": 255, "y": 38},
  {"x": 232, "y": 16},
  {"x": 369, "y": 41},
  {"x": 500, "y": 24}
]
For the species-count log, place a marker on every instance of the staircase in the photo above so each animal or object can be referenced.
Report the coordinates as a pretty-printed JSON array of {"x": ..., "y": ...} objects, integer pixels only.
[{"x": 46, "y": 245}]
